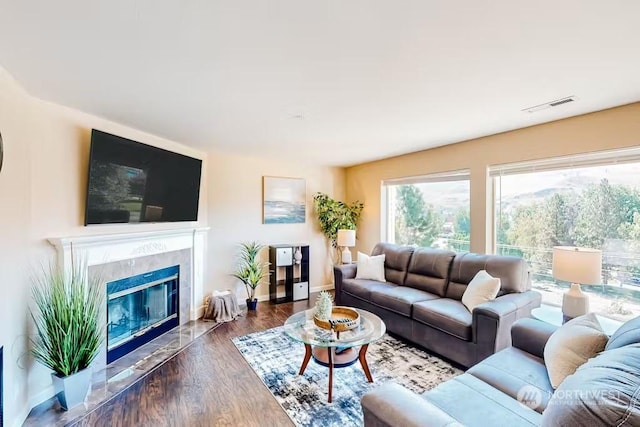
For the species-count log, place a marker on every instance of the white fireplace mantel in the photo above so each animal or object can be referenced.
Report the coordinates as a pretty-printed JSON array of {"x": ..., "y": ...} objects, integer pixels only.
[{"x": 104, "y": 248}]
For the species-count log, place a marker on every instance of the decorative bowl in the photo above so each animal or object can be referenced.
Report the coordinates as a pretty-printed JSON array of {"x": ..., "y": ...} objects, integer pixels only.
[{"x": 342, "y": 319}]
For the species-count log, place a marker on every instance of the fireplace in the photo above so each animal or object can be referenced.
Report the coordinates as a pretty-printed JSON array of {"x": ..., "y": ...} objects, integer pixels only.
[
  {"x": 141, "y": 308},
  {"x": 116, "y": 255}
]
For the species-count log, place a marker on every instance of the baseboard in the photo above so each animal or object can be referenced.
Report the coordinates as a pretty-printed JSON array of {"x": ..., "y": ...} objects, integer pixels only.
[
  {"x": 197, "y": 313},
  {"x": 22, "y": 415},
  {"x": 314, "y": 289},
  {"x": 328, "y": 287},
  {"x": 42, "y": 396},
  {"x": 242, "y": 302}
]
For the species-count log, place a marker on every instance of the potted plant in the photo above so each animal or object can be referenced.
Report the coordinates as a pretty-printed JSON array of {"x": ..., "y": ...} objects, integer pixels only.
[
  {"x": 68, "y": 322},
  {"x": 251, "y": 271},
  {"x": 334, "y": 215}
]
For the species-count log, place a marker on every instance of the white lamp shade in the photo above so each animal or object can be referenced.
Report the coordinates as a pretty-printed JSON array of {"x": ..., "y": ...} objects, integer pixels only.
[
  {"x": 577, "y": 265},
  {"x": 346, "y": 238}
]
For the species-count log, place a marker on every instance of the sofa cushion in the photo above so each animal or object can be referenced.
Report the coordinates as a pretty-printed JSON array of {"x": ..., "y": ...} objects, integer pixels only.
[
  {"x": 362, "y": 288},
  {"x": 393, "y": 405},
  {"x": 629, "y": 333},
  {"x": 473, "y": 402},
  {"x": 572, "y": 345},
  {"x": 513, "y": 273},
  {"x": 370, "y": 267},
  {"x": 602, "y": 392},
  {"x": 515, "y": 372},
  {"x": 396, "y": 261},
  {"x": 429, "y": 270},
  {"x": 445, "y": 314},
  {"x": 399, "y": 299}
]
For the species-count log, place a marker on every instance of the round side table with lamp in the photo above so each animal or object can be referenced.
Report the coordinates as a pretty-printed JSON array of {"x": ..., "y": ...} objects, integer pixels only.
[
  {"x": 346, "y": 239},
  {"x": 578, "y": 266}
]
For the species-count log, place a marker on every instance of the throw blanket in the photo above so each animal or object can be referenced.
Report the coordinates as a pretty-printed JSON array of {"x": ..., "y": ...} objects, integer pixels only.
[{"x": 222, "y": 307}]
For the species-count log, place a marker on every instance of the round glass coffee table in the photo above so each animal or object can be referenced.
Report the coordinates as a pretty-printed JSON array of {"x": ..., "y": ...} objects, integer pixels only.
[{"x": 332, "y": 349}]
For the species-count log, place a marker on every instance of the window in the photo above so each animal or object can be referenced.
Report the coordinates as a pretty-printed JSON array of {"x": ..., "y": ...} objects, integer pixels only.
[
  {"x": 590, "y": 201},
  {"x": 430, "y": 211}
]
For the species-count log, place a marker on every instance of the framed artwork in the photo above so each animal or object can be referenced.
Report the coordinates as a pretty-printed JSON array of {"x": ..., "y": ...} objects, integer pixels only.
[{"x": 283, "y": 200}]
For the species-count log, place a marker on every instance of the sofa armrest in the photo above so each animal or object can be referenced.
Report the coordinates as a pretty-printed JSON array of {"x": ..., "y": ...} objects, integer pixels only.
[
  {"x": 507, "y": 304},
  {"x": 531, "y": 335},
  {"x": 492, "y": 320},
  {"x": 341, "y": 272},
  {"x": 393, "y": 405}
]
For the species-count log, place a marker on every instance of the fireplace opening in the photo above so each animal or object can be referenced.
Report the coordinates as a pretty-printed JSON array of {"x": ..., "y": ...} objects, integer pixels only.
[{"x": 141, "y": 308}]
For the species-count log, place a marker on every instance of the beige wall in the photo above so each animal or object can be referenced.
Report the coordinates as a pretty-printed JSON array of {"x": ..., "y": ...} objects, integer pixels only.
[
  {"x": 614, "y": 128},
  {"x": 15, "y": 183},
  {"x": 42, "y": 191},
  {"x": 235, "y": 215}
]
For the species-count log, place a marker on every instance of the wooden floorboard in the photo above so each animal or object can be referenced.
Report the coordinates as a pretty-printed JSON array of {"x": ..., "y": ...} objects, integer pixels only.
[{"x": 208, "y": 384}]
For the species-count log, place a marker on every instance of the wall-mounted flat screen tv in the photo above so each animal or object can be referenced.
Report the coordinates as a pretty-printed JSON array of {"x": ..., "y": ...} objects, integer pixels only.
[{"x": 132, "y": 182}]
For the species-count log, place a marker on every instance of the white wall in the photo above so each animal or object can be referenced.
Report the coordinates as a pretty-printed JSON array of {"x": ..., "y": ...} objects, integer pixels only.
[
  {"x": 235, "y": 215},
  {"x": 42, "y": 191},
  {"x": 15, "y": 203}
]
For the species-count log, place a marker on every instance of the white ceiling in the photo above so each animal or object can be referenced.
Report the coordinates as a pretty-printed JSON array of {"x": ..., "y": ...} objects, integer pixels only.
[{"x": 342, "y": 81}]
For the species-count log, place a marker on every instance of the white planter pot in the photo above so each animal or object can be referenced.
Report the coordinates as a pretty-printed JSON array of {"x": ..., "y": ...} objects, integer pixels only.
[{"x": 72, "y": 390}]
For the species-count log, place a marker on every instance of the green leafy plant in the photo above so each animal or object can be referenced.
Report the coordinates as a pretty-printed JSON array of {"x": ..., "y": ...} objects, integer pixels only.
[
  {"x": 334, "y": 215},
  {"x": 68, "y": 318},
  {"x": 251, "y": 271}
]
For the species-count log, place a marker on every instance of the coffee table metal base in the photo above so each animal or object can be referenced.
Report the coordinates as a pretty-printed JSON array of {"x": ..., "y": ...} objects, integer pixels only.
[{"x": 326, "y": 356}]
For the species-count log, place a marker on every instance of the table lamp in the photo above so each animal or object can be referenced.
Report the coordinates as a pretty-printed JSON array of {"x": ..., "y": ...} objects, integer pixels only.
[
  {"x": 346, "y": 239},
  {"x": 576, "y": 266}
]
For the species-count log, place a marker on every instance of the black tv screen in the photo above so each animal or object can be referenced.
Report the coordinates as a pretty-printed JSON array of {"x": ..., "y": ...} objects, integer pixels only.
[{"x": 134, "y": 182}]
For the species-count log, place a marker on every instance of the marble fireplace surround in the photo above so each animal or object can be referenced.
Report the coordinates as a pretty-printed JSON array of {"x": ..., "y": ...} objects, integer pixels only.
[{"x": 120, "y": 255}]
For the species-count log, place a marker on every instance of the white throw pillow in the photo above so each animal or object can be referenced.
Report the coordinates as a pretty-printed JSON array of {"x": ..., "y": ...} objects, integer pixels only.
[
  {"x": 571, "y": 345},
  {"x": 370, "y": 267},
  {"x": 482, "y": 288}
]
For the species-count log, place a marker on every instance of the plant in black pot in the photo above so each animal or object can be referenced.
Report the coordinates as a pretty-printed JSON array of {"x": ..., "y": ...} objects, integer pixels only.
[
  {"x": 334, "y": 215},
  {"x": 251, "y": 271},
  {"x": 69, "y": 328}
]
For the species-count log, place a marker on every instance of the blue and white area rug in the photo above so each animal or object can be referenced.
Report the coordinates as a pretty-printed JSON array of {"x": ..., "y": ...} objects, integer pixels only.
[{"x": 276, "y": 359}]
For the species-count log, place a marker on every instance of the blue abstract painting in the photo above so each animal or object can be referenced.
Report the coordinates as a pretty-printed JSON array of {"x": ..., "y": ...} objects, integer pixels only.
[{"x": 284, "y": 200}]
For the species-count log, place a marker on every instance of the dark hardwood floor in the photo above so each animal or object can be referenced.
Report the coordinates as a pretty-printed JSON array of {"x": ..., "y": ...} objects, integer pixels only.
[{"x": 208, "y": 384}]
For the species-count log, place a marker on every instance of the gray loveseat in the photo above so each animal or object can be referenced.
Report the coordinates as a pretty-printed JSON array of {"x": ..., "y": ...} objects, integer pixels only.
[
  {"x": 421, "y": 299},
  {"x": 512, "y": 388}
]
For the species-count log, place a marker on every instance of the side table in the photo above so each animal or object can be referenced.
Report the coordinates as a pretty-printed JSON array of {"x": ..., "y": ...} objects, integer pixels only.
[{"x": 553, "y": 315}]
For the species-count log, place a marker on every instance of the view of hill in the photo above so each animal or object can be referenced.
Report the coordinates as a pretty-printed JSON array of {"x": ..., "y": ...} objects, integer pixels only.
[{"x": 513, "y": 190}]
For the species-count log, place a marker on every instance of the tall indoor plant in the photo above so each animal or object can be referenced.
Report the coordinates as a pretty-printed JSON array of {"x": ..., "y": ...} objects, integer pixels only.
[
  {"x": 251, "y": 271},
  {"x": 68, "y": 322},
  {"x": 334, "y": 215}
]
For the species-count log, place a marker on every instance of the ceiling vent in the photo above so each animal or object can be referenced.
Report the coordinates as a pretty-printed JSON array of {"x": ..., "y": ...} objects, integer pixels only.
[{"x": 550, "y": 104}]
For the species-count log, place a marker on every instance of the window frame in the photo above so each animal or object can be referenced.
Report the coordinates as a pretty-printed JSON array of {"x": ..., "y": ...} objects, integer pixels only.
[
  {"x": 387, "y": 212},
  {"x": 572, "y": 161},
  {"x": 607, "y": 158}
]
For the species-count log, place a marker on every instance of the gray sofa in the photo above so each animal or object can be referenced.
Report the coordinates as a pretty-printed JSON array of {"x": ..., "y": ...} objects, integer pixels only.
[
  {"x": 512, "y": 388},
  {"x": 421, "y": 299}
]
